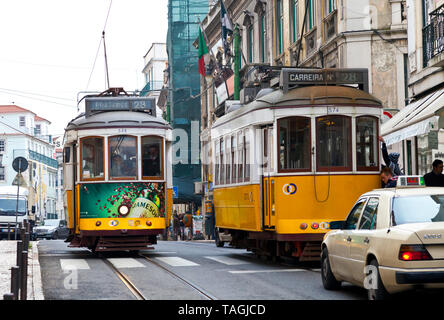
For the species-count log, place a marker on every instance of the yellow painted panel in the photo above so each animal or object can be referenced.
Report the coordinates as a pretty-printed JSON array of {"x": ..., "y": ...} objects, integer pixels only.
[
  {"x": 169, "y": 198},
  {"x": 70, "y": 209},
  {"x": 122, "y": 223},
  {"x": 238, "y": 207}
]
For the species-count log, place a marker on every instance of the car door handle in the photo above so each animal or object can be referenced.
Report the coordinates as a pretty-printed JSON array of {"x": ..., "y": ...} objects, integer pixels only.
[
  {"x": 349, "y": 239},
  {"x": 367, "y": 240}
]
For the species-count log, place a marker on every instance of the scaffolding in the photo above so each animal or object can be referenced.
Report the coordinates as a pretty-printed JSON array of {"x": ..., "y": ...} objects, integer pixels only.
[{"x": 184, "y": 88}]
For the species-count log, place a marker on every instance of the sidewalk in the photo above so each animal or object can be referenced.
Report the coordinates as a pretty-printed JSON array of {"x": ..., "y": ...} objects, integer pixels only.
[{"x": 8, "y": 259}]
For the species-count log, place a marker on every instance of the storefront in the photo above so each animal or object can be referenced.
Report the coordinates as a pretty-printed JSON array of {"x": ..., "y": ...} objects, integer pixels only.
[{"x": 417, "y": 133}]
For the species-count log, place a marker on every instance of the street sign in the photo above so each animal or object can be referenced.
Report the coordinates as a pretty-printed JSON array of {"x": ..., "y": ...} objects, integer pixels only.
[
  {"x": 19, "y": 180},
  {"x": 146, "y": 104},
  {"x": 20, "y": 164},
  {"x": 175, "y": 192}
]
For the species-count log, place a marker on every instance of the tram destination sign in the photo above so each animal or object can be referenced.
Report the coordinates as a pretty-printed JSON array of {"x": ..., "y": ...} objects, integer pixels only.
[
  {"x": 292, "y": 77},
  {"x": 145, "y": 104}
]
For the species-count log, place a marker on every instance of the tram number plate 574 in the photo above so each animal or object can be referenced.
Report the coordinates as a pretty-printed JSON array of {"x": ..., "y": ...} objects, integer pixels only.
[
  {"x": 122, "y": 130},
  {"x": 332, "y": 109}
]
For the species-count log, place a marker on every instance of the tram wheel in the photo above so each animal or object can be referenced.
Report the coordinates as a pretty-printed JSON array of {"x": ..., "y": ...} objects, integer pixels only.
[{"x": 219, "y": 243}]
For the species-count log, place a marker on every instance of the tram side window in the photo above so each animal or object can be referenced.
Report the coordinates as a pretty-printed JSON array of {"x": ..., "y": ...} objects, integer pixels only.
[
  {"x": 367, "y": 143},
  {"x": 152, "y": 157},
  {"x": 217, "y": 164},
  {"x": 240, "y": 157},
  {"x": 233, "y": 160},
  {"x": 222, "y": 163},
  {"x": 294, "y": 144},
  {"x": 247, "y": 155},
  {"x": 123, "y": 157},
  {"x": 66, "y": 155},
  {"x": 333, "y": 143},
  {"x": 228, "y": 161},
  {"x": 92, "y": 158}
]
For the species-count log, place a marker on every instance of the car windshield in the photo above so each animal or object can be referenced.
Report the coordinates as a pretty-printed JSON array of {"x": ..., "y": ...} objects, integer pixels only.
[
  {"x": 51, "y": 223},
  {"x": 9, "y": 206},
  {"x": 417, "y": 209}
]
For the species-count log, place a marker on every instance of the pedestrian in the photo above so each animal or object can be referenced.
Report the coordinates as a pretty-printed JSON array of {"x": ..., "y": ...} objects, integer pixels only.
[
  {"x": 387, "y": 178},
  {"x": 176, "y": 225},
  {"x": 391, "y": 160},
  {"x": 435, "y": 178},
  {"x": 182, "y": 227}
]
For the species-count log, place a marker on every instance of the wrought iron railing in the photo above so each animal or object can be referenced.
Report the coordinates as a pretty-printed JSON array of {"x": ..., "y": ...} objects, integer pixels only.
[{"x": 433, "y": 36}]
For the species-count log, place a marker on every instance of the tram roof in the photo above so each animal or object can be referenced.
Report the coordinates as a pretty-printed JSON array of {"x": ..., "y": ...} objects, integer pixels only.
[
  {"x": 320, "y": 95},
  {"x": 305, "y": 96},
  {"x": 112, "y": 119}
]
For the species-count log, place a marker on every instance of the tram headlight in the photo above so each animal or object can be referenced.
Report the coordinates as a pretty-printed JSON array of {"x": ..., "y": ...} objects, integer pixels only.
[
  {"x": 315, "y": 225},
  {"x": 303, "y": 226},
  {"x": 123, "y": 210}
]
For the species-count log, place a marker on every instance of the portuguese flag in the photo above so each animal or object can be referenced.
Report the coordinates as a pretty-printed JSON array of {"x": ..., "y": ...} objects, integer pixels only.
[{"x": 203, "y": 53}]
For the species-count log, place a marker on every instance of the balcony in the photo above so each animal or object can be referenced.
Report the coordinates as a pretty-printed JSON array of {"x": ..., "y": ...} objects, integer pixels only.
[
  {"x": 151, "y": 86},
  {"x": 42, "y": 159},
  {"x": 433, "y": 40}
]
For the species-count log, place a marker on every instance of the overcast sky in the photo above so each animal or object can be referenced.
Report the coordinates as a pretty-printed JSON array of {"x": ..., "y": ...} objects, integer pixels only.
[{"x": 48, "y": 48}]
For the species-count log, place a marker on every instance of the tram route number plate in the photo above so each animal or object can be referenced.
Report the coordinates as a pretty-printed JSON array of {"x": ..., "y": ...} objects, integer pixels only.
[{"x": 332, "y": 110}]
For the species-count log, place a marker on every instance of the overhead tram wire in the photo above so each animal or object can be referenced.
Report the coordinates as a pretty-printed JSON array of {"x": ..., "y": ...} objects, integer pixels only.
[
  {"x": 100, "y": 44},
  {"x": 31, "y": 98}
]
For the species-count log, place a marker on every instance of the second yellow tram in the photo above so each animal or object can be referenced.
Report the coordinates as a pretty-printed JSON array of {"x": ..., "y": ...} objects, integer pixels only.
[{"x": 291, "y": 161}]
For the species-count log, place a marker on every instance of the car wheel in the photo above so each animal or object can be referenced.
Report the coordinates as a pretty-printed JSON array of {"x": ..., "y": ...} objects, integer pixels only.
[
  {"x": 219, "y": 243},
  {"x": 328, "y": 279},
  {"x": 378, "y": 291},
  {"x": 55, "y": 236}
]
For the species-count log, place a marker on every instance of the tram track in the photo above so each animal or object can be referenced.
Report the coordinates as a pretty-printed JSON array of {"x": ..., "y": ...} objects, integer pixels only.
[
  {"x": 199, "y": 290},
  {"x": 126, "y": 281},
  {"x": 139, "y": 294}
]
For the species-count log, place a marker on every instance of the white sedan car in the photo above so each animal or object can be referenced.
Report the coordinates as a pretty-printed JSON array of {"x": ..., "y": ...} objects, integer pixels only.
[{"x": 391, "y": 241}]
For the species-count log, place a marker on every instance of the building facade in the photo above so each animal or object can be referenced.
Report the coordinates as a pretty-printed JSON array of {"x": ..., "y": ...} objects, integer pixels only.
[
  {"x": 324, "y": 34},
  {"x": 25, "y": 134},
  {"x": 417, "y": 131},
  {"x": 156, "y": 61}
]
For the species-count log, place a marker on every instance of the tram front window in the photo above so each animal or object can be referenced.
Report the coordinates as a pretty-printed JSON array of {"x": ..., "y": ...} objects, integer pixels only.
[
  {"x": 294, "y": 144},
  {"x": 151, "y": 157},
  {"x": 92, "y": 158},
  {"x": 123, "y": 157},
  {"x": 333, "y": 143},
  {"x": 367, "y": 143}
]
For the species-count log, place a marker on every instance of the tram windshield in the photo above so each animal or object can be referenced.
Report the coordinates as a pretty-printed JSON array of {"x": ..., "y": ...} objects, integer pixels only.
[
  {"x": 367, "y": 143},
  {"x": 123, "y": 157},
  {"x": 92, "y": 158},
  {"x": 334, "y": 143},
  {"x": 294, "y": 144},
  {"x": 151, "y": 157}
]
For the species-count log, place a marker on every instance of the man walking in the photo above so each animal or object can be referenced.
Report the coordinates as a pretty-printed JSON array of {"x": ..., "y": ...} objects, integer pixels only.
[{"x": 435, "y": 178}]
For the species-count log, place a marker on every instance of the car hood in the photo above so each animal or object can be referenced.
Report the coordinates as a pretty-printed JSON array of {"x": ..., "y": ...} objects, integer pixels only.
[
  {"x": 48, "y": 228},
  {"x": 428, "y": 232}
]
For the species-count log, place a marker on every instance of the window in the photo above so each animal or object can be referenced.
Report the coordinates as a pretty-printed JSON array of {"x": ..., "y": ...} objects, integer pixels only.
[
  {"x": 368, "y": 219},
  {"x": 294, "y": 5},
  {"x": 263, "y": 31},
  {"x": 92, "y": 158},
  {"x": 367, "y": 143},
  {"x": 152, "y": 157},
  {"x": 22, "y": 121},
  {"x": 240, "y": 156},
  {"x": 311, "y": 19},
  {"x": 217, "y": 164},
  {"x": 123, "y": 157},
  {"x": 38, "y": 130},
  {"x": 2, "y": 173},
  {"x": 227, "y": 160},
  {"x": 418, "y": 209},
  {"x": 250, "y": 43},
  {"x": 294, "y": 144},
  {"x": 333, "y": 143},
  {"x": 330, "y": 6},
  {"x": 222, "y": 163},
  {"x": 2, "y": 145},
  {"x": 353, "y": 216},
  {"x": 280, "y": 25},
  {"x": 247, "y": 155},
  {"x": 66, "y": 155},
  {"x": 233, "y": 160}
]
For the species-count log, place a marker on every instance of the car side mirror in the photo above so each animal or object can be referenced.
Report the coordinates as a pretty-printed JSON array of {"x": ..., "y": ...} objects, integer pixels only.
[
  {"x": 33, "y": 209},
  {"x": 337, "y": 225}
]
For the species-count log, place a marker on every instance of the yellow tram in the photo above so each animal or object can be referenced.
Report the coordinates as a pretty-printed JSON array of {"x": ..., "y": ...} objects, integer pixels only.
[
  {"x": 294, "y": 159},
  {"x": 117, "y": 173}
]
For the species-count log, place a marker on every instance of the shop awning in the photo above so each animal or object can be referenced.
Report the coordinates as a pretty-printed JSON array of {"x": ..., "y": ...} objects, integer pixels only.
[{"x": 415, "y": 119}]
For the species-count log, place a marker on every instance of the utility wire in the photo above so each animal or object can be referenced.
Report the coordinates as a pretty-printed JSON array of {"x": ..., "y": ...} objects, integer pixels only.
[{"x": 98, "y": 47}]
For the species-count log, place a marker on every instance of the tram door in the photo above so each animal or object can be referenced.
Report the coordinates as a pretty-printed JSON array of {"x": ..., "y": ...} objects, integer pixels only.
[{"x": 268, "y": 183}]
